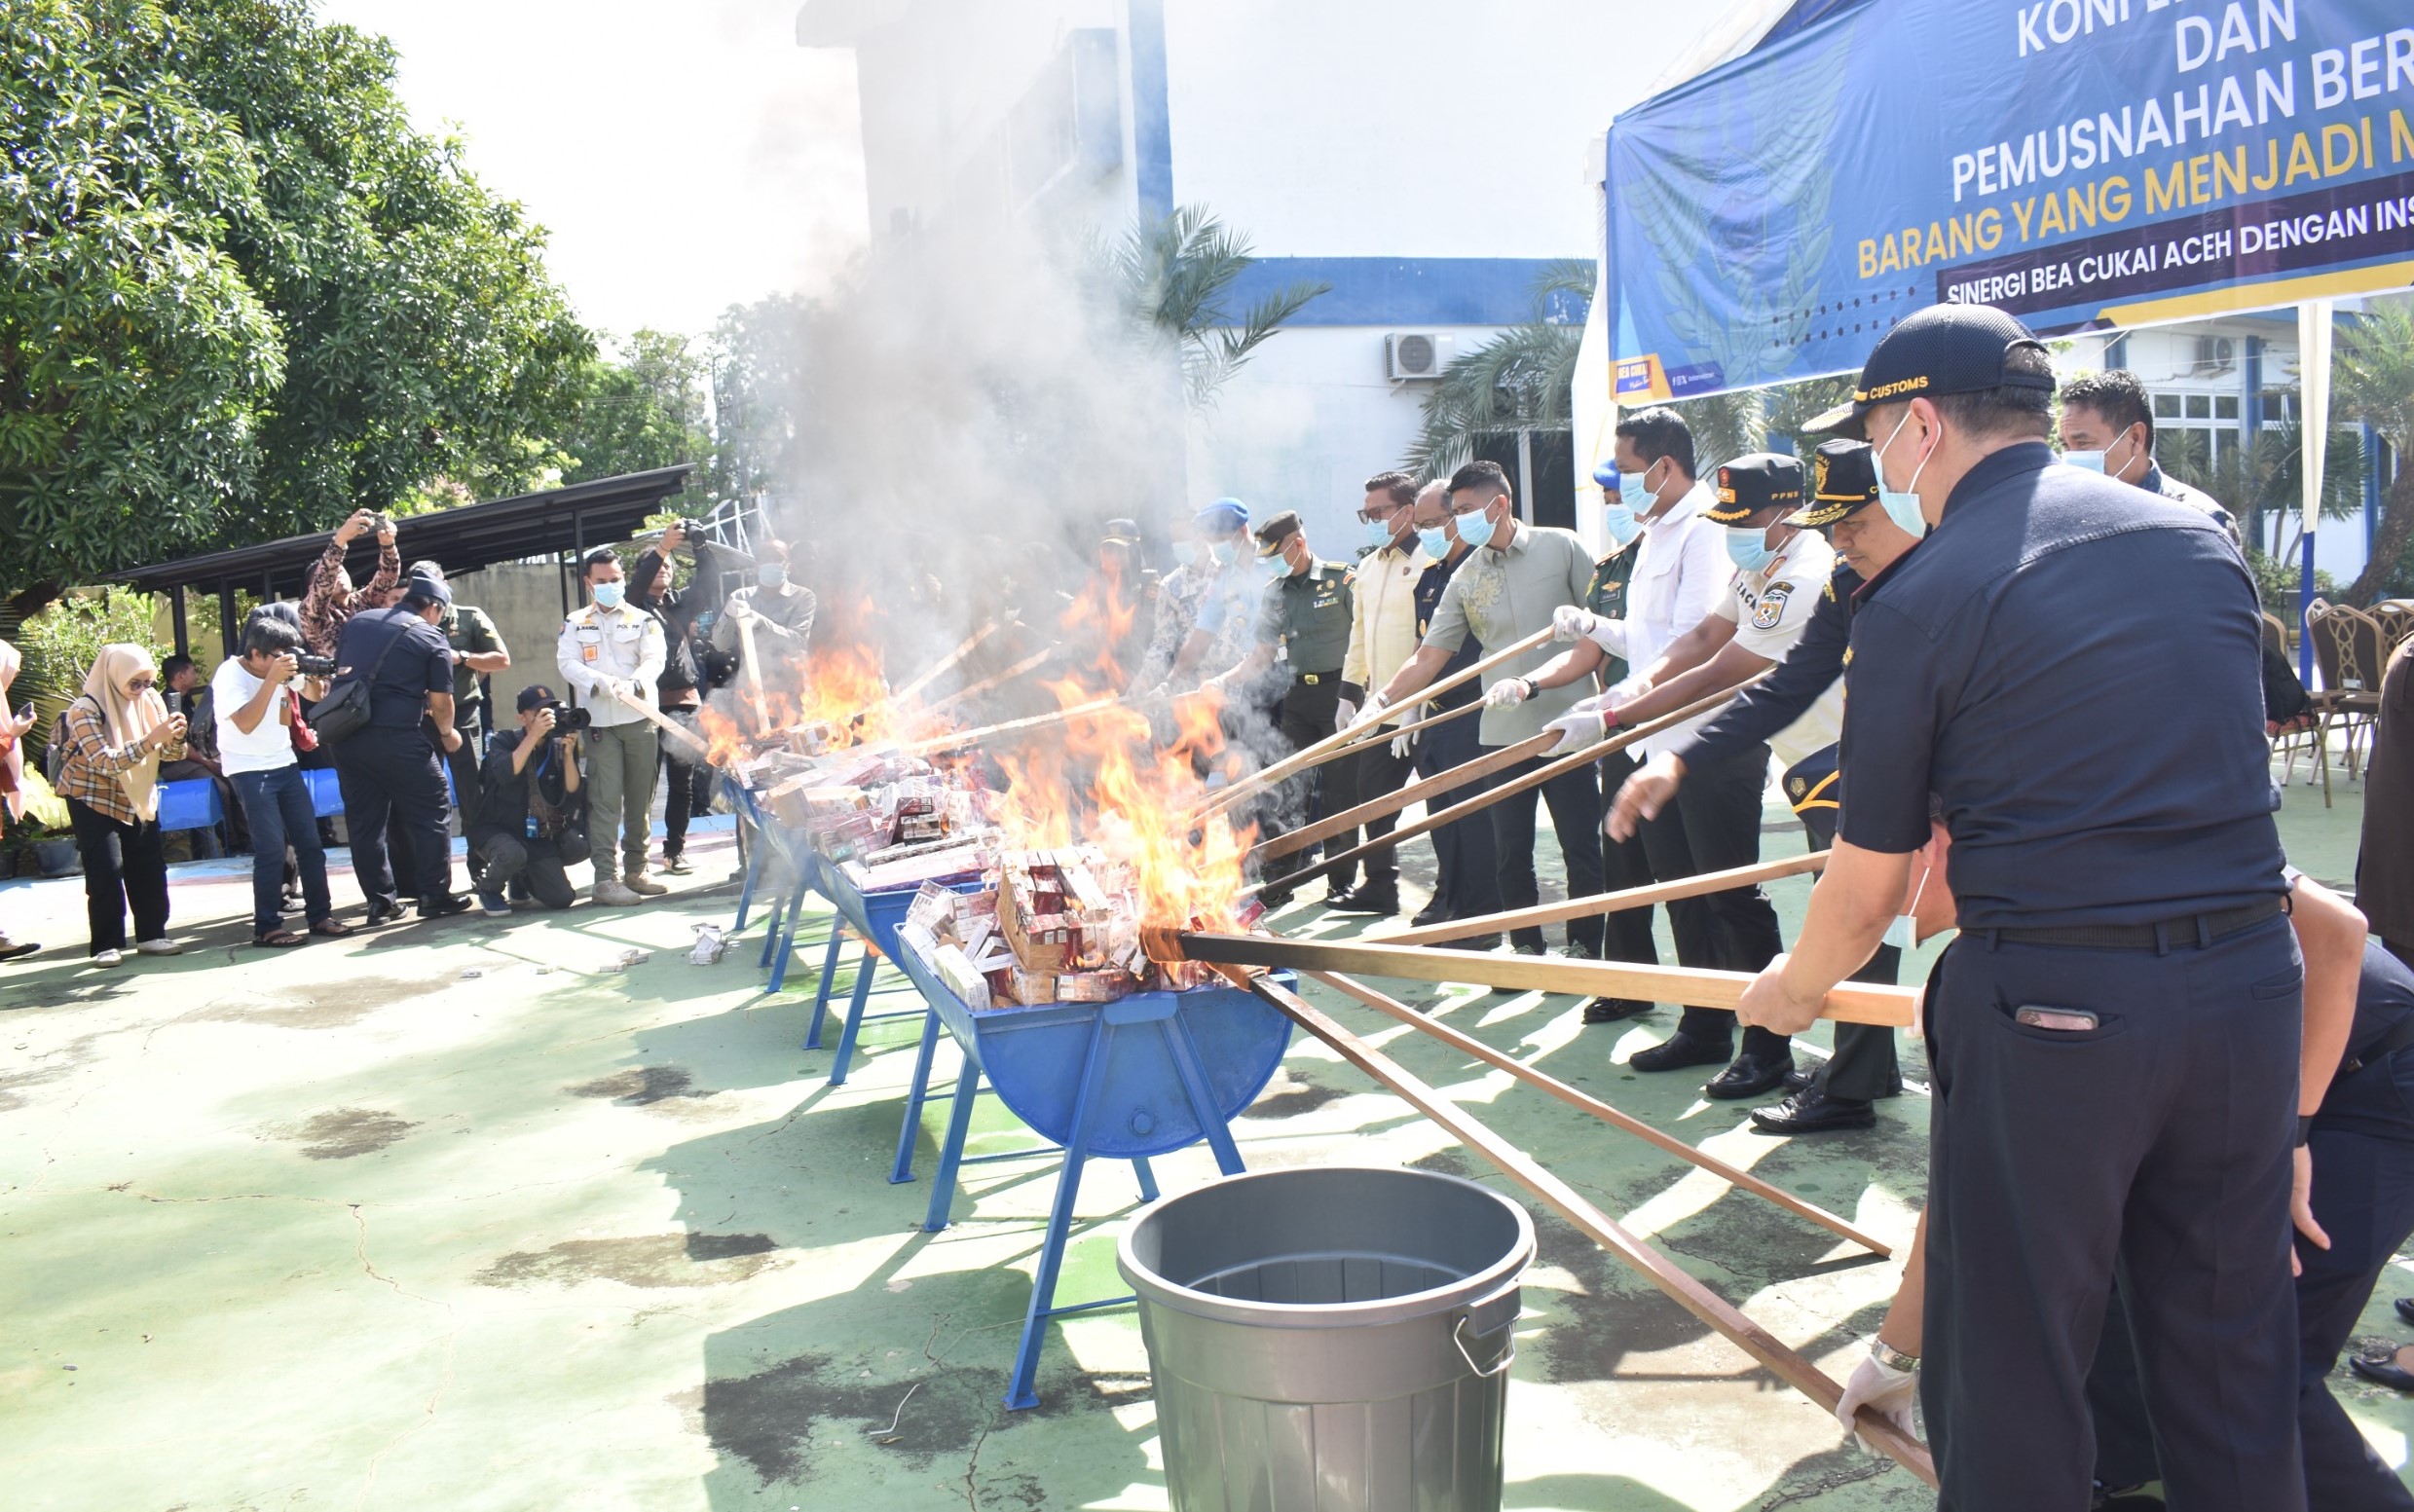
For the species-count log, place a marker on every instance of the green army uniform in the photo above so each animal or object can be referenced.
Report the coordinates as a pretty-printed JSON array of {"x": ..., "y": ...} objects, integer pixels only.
[
  {"x": 1308, "y": 615},
  {"x": 1607, "y": 598},
  {"x": 471, "y": 631},
  {"x": 1622, "y": 862}
]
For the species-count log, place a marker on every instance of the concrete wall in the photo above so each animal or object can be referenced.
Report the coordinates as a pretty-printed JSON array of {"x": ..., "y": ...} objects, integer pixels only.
[{"x": 525, "y": 603}]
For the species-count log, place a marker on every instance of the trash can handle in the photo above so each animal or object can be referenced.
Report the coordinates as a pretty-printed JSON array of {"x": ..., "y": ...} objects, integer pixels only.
[{"x": 1504, "y": 1363}]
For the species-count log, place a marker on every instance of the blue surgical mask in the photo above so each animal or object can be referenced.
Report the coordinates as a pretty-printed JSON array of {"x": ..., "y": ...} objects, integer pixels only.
[
  {"x": 770, "y": 574},
  {"x": 1902, "y": 508},
  {"x": 607, "y": 595},
  {"x": 1435, "y": 541},
  {"x": 1475, "y": 529},
  {"x": 1377, "y": 532},
  {"x": 1746, "y": 547},
  {"x": 1276, "y": 567},
  {"x": 1187, "y": 551},
  {"x": 2085, "y": 461},
  {"x": 1633, "y": 493},
  {"x": 1223, "y": 551},
  {"x": 1619, "y": 520}
]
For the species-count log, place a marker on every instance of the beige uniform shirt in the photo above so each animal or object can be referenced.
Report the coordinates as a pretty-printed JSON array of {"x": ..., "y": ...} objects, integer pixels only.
[{"x": 1383, "y": 627}]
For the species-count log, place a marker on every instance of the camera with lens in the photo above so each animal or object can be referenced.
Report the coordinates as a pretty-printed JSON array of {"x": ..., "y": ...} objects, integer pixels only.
[
  {"x": 567, "y": 720},
  {"x": 310, "y": 666}
]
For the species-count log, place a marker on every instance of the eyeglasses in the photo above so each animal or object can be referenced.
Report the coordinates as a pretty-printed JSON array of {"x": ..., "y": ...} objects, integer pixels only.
[
  {"x": 142, "y": 685},
  {"x": 1379, "y": 513}
]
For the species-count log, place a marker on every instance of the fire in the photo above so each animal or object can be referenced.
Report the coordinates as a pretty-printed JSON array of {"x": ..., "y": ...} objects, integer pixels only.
[{"x": 1108, "y": 781}]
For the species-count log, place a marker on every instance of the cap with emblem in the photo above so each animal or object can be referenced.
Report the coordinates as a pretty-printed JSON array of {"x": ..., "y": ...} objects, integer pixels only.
[
  {"x": 1761, "y": 480},
  {"x": 1944, "y": 348},
  {"x": 1275, "y": 531},
  {"x": 1123, "y": 532},
  {"x": 1842, "y": 479},
  {"x": 1223, "y": 515}
]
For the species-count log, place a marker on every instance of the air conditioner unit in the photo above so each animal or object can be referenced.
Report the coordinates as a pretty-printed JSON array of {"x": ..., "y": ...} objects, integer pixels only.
[
  {"x": 2215, "y": 354},
  {"x": 1416, "y": 354}
]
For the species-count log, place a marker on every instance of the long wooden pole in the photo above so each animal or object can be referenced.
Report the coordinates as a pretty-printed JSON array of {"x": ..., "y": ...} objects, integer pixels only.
[
  {"x": 1606, "y": 902},
  {"x": 1599, "y": 1226},
  {"x": 1491, "y": 796},
  {"x": 1847, "y": 1002},
  {"x": 932, "y": 672},
  {"x": 1009, "y": 727},
  {"x": 1335, "y": 744},
  {"x": 754, "y": 668},
  {"x": 1416, "y": 792},
  {"x": 989, "y": 683},
  {"x": 671, "y": 727},
  {"x": 1469, "y": 1046}
]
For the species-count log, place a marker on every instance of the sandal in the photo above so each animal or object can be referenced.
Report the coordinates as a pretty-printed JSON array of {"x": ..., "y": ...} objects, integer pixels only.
[
  {"x": 332, "y": 929},
  {"x": 279, "y": 939}
]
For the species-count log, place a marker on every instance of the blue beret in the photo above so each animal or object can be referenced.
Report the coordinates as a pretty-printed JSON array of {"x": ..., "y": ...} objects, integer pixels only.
[{"x": 1225, "y": 514}]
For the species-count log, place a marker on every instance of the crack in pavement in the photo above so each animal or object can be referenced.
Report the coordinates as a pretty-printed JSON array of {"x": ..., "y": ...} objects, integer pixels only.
[{"x": 1828, "y": 1482}]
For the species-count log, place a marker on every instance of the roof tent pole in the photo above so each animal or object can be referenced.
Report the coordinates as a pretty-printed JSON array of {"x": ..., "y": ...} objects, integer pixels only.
[{"x": 175, "y": 610}]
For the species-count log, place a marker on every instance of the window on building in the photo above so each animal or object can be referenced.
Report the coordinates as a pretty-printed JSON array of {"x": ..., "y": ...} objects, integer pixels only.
[
  {"x": 2196, "y": 436},
  {"x": 1552, "y": 497}
]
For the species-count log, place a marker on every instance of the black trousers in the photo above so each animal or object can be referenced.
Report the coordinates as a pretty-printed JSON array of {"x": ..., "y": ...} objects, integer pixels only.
[
  {"x": 537, "y": 865},
  {"x": 2364, "y": 1194},
  {"x": 1625, "y": 863},
  {"x": 391, "y": 774},
  {"x": 469, "y": 720},
  {"x": 1865, "y": 1065},
  {"x": 688, "y": 791},
  {"x": 1466, "y": 873},
  {"x": 1374, "y": 773},
  {"x": 2157, "y": 1145},
  {"x": 1308, "y": 710},
  {"x": 124, "y": 869},
  {"x": 1715, "y": 823},
  {"x": 1574, "y": 800}
]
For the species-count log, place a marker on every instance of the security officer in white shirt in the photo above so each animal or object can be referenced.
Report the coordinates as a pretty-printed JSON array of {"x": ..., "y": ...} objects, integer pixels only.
[
  {"x": 1775, "y": 576},
  {"x": 612, "y": 653}
]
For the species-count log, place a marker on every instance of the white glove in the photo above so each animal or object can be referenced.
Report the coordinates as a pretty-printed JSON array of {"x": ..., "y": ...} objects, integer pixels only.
[
  {"x": 1571, "y": 622},
  {"x": 1888, "y": 1393},
  {"x": 1345, "y": 714},
  {"x": 1401, "y": 744},
  {"x": 1578, "y": 729},
  {"x": 1507, "y": 693},
  {"x": 1372, "y": 712}
]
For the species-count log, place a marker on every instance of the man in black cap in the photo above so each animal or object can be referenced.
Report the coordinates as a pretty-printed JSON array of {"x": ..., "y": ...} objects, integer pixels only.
[
  {"x": 2070, "y": 667},
  {"x": 390, "y": 768},
  {"x": 1305, "y": 613},
  {"x": 1779, "y": 569},
  {"x": 1801, "y": 700},
  {"x": 530, "y": 826}
]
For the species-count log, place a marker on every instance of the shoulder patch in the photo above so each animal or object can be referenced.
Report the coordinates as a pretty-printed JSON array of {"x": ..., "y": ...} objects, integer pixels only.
[{"x": 1772, "y": 605}]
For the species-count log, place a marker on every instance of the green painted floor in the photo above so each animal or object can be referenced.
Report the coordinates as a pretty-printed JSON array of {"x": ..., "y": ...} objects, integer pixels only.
[{"x": 458, "y": 1217}]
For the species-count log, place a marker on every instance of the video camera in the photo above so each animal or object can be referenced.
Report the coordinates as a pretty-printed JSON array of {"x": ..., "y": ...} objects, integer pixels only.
[
  {"x": 566, "y": 720},
  {"x": 310, "y": 666}
]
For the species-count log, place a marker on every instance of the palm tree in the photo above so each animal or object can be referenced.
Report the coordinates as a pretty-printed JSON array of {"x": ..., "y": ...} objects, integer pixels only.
[
  {"x": 2373, "y": 373},
  {"x": 1520, "y": 379},
  {"x": 1174, "y": 275}
]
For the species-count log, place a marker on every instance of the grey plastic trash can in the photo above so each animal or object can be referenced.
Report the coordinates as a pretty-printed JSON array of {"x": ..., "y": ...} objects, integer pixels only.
[{"x": 1333, "y": 1338}]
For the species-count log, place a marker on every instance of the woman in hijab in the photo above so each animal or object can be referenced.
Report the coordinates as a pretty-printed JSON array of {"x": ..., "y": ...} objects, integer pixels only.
[
  {"x": 12, "y": 772},
  {"x": 118, "y": 730}
]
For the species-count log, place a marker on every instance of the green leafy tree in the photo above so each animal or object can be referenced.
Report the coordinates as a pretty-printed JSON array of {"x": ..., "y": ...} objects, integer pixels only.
[
  {"x": 1176, "y": 274},
  {"x": 758, "y": 361},
  {"x": 244, "y": 296},
  {"x": 1520, "y": 379},
  {"x": 2373, "y": 373},
  {"x": 644, "y": 409}
]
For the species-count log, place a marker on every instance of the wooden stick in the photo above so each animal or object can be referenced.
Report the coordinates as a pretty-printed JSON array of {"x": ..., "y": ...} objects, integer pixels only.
[
  {"x": 933, "y": 672},
  {"x": 989, "y": 683},
  {"x": 1334, "y": 743},
  {"x": 1680, "y": 1287},
  {"x": 1847, "y": 1002},
  {"x": 1416, "y": 727},
  {"x": 673, "y": 728},
  {"x": 1469, "y": 1044},
  {"x": 1009, "y": 726},
  {"x": 754, "y": 668},
  {"x": 1607, "y": 903},
  {"x": 1492, "y": 795},
  {"x": 1393, "y": 802}
]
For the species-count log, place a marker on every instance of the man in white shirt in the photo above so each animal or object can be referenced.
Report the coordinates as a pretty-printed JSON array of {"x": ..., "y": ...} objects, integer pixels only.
[
  {"x": 612, "y": 652},
  {"x": 252, "y": 699},
  {"x": 1384, "y": 631}
]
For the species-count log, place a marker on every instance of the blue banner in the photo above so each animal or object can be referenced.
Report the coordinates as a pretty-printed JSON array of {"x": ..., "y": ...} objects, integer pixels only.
[{"x": 2084, "y": 163}]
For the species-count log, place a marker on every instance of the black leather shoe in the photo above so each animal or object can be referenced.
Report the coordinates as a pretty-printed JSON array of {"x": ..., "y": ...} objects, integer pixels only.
[
  {"x": 383, "y": 913},
  {"x": 444, "y": 904},
  {"x": 2406, "y": 1308},
  {"x": 1430, "y": 914},
  {"x": 1470, "y": 942},
  {"x": 1798, "y": 1078},
  {"x": 1275, "y": 898},
  {"x": 1749, "y": 1078},
  {"x": 1814, "y": 1112},
  {"x": 2383, "y": 1370},
  {"x": 1609, "y": 1010},
  {"x": 1371, "y": 899},
  {"x": 1679, "y": 1051}
]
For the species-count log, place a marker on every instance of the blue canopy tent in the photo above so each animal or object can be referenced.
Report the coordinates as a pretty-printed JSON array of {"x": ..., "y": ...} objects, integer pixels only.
[{"x": 2087, "y": 164}]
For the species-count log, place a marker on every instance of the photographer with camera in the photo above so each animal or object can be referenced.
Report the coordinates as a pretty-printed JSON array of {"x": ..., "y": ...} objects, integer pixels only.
[
  {"x": 388, "y": 764},
  {"x": 252, "y": 699},
  {"x": 329, "y": 600},
  {"x": 687, "y": 615},
  {"x": 529, "y": 826},
  {"x": 611, "y": 653}
]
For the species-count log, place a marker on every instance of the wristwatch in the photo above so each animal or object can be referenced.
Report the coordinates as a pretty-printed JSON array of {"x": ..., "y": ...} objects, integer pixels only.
[{"x": 1891, "y": 1357}]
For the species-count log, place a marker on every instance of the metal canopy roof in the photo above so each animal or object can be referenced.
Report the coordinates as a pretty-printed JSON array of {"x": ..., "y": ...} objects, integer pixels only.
[{"x": 504, "y": 530}]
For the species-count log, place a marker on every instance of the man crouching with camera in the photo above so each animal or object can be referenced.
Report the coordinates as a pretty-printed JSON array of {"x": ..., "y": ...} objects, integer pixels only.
[{"x": 530, "y": 826}]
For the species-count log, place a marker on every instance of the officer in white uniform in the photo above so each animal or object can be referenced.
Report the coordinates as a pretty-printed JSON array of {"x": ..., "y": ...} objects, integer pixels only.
[{"x": 611, "y": 653}]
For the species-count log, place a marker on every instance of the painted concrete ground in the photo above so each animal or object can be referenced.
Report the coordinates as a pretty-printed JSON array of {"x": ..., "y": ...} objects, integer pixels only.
[{"x": 456, "y": 1216}]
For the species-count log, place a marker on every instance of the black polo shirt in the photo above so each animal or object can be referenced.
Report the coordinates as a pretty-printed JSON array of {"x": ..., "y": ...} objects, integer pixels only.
[
  {"x": 2073, "y": 666},
  {"x": 1429, "y": 585},
  {"x": 422, "y": 664}
]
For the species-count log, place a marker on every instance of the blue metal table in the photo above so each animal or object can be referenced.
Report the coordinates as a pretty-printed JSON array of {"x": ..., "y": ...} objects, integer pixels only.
[{"x": 1145, "y": 1076}]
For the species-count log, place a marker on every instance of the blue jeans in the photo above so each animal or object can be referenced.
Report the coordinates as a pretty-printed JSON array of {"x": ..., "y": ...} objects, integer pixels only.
[{"x": 276, "y": 805}]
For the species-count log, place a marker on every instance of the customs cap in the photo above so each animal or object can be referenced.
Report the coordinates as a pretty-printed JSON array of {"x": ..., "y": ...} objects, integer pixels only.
[
  {"x": 1944, "y": 348},
  {"x": 1275, "y": 531},
  {"x": 1844, "y": 478},
  {"x": 1757, "y": 481}
]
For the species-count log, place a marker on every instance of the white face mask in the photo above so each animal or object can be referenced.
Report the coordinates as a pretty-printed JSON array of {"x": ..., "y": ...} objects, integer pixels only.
[
  {"x": 1903, "y": 507},
  {"x": 2099, "y": 462},
  {"x": 1904, "y": 932}
]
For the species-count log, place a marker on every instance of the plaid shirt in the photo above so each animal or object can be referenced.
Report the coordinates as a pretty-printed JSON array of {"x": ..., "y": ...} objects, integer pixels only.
[
  {"x": 332, "y": 599},
  {"x": 89, "y": 772}
]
